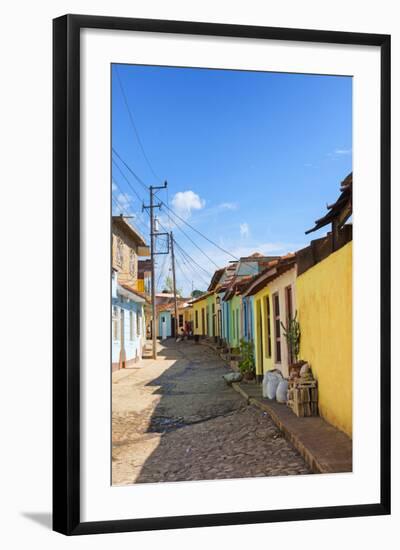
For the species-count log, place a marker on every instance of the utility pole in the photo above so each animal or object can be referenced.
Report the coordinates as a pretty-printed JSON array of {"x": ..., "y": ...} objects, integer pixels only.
[
  {"x": 174, "y": 283},
  {"x": 153, "y": 252}
]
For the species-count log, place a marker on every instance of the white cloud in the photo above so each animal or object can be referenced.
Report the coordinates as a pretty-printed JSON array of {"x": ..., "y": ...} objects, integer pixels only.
[
  {"x": 228, "y": 206},
  {"x": 124, "y": 201},
  {"x": 339, "y": 152},
  {"x": 184, "y": 202},
  {"x": 244, "y": 229},
  {"x": 265, "y": 248}
]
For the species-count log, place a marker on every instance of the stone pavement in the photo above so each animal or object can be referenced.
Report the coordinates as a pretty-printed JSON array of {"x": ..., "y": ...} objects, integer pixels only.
[
  {"x": 325, "y": 449},
  {"x": 175, "y": 419}
]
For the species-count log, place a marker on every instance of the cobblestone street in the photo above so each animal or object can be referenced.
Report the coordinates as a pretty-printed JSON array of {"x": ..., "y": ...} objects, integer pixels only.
[{"x": 175, "y": 419}]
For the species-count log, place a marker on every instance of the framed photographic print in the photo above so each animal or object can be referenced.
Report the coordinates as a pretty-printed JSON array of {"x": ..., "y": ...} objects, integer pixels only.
[{"x": 221, "y": 274}]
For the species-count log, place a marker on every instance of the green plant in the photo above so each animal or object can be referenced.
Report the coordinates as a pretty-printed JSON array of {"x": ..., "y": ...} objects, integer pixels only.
[
  {"x": 247, "y": 364},
  {"x": 292, "y": 335}
]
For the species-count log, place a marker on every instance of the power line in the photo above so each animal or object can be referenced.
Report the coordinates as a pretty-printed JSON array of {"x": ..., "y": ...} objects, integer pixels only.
[
  {"x": 192, "y": 274},
  {"x": 185, "y": 276},
  {"x": 204, "y": 237},
  {"x": 195, "y": 244},
  {"x": 187, "y": 236},
  {"x": 141, "y": 200},
  {"x": 127, "y": 199},
  {"x": 171, "y": 211},
  {"x": 122, "y": 209},
  {"x": 199, "y": 232},
  {"x": 134, "y": 125},
  {"x": 137, "y": 178},
  {"x": 127, "y": 181},
  {"x": 162, "y": 268},
  {"x": 125, "y": 212},
  {"x": 190, "y": 263},
  {"x": 187, "y": 256},
  {"x": 189, "y": 277},
  {"x": 191, "y": 267}
]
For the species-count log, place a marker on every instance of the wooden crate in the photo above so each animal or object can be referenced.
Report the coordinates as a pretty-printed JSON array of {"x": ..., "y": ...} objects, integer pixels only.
[{"x": 303, "y": 397}]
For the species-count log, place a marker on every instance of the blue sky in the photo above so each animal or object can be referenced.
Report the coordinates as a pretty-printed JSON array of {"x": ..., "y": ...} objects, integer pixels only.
[{"x": 251, "y": 158}]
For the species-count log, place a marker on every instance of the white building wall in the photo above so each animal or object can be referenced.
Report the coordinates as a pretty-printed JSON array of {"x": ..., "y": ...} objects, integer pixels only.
[
  {"x": 133, "y": 342},
  {"x": 279, "y": 285}
]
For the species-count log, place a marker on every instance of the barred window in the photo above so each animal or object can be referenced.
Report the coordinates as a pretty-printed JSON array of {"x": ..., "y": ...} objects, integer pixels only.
[
  {"x": 119, "y": 252},
  {"x": 131, "y": 326},
  {"x": 138, "y": 323},
  {"x": 116, "y": 323},
  {"x": 132, "y": 263}
]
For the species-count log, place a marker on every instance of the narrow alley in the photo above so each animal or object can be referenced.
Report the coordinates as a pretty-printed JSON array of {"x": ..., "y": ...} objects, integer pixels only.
[{"x": 175, "y": 419}]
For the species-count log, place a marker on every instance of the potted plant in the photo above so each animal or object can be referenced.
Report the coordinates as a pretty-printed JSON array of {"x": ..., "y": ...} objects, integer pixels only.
[
  {"x": 247, "y": 364},
  {"x": 292, "y": 335}
]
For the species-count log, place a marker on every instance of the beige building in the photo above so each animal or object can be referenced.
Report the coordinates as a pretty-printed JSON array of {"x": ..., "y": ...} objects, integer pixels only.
[
  {"x": 127, "y": 246},
  {"x": 128, "y": 332}
]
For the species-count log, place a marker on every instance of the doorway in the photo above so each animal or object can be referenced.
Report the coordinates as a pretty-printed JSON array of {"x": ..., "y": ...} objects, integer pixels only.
[{"x": 260, "y": 348}]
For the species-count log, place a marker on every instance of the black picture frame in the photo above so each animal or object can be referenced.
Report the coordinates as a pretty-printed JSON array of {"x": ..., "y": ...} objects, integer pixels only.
[{"x": 66, "y": 273}]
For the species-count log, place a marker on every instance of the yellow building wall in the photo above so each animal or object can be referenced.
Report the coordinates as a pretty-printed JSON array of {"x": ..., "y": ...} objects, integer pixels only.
[
  {"x": 198, "y": 306},
  {"x": 140, "y": 285},
  {"x": 210, "y": 303},
  {"x": 188, "y": 315},
  {"x": 263, "y": 361},
  {"x": 324, "y": 304},
  {"x": 186, "y": 312},
  {"x": 216, "y": 308}
]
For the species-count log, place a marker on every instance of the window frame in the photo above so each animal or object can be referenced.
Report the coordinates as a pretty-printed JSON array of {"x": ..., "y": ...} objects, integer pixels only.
[
  {"x": 277, "y": 325},
  {"x": 267, "y": 326},
  {"x": 138, "y": 323},
  {"x": 116, "y": 324},
  {"x": 131, "y": 326}
]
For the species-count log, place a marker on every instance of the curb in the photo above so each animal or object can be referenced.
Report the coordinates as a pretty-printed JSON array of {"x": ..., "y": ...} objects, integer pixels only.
[
  {"x": 308, "y": 456},
  {"x": 215, "y": 350},
  {"x": 240, "y": 390}
]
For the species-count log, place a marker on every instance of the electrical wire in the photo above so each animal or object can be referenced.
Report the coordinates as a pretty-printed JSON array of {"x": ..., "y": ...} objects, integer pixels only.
[
  {"x": 196, "y": 245},
  {"x": 137, "y": 221},
  {"x": 137, "y": 178},
  {"x": 198, "y": 232},
  {"x": 190, "y": 259},
  {"x": 173, "y": 213},
  {"x": 190, "y": 264},
  {"x": 162, "y": 269},
  {"x": 127, "y": 181},
  {"x": 189, "y": 276},
  {"x": 117, "y": 203},
  {"x": 134, "y": 125}
]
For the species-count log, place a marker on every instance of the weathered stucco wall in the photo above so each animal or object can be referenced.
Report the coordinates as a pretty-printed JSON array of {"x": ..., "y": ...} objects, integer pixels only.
[
  {"x": 167, "y": 316},
  {"x": 133, "y": 327},
  {"x": 278, "y": 285},
  {"x": 198, "y": 306},
  {"x": 209, "y": 324},
  {"x": 324, "y": 302}
]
